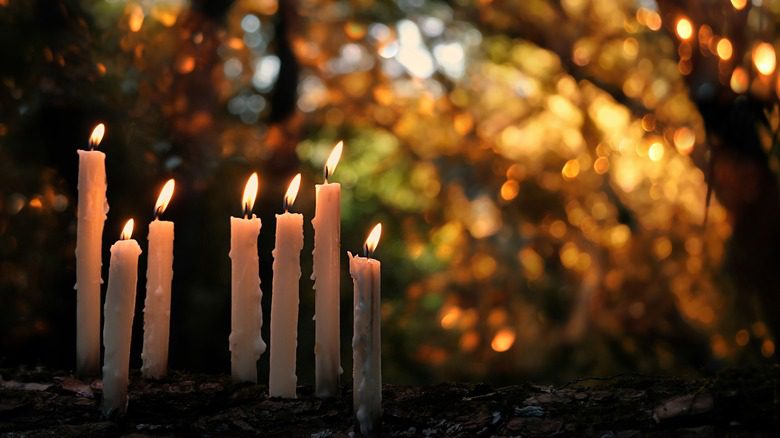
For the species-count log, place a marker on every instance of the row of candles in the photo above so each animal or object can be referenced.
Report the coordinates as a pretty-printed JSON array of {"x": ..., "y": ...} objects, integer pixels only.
[{"x": 246, "y": 343}]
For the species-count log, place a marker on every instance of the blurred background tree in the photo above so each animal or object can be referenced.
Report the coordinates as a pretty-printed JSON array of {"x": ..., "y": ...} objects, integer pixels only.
[{"x": 543, "y": 169}]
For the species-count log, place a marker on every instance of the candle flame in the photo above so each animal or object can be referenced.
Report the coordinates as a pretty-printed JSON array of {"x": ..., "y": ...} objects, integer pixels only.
[
  {"x": 333, "y": 159},
  {"x": 292, "y": 191},
  {"x": 373, "y": 239},
  {"x": 165, "y": 197},
  {"x": 97, "y": 135},
  {"x": 127, "y": 231},
  {"x": 250, "y": 193}
]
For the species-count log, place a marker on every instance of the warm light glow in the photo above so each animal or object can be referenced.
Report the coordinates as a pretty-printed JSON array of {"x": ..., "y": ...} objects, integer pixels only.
[
  {"x": 684, "y": 139},
  {"x": 764, "y": 58},
  {"x": 127, "y": 231},
  {"x": 648, "y": 18},
  {"x": 739, "y": 4},
  {"x": 164, "y": 198},
  {"x": 97, "y": 135},
  {"x": 250, "y": 193},
  {"x": 601, "y": 165},
  {"x": 333, "y": 159},
  {"x": 450, "y": 318},
  {"x": 136, "y": 18},
  {"x": 724, "y": 49},
  {"x": 292, "y": 191},
  {"x": 373, "y": 239},
  {"x": 503, "y": 340},
  {"x": 656, "y": 151},
  {"x": 510, "y": 190},
  {"x": 684, "y": 28},
  {"x": 739, "y": 80},
  {"x": 571, "y": 169}
]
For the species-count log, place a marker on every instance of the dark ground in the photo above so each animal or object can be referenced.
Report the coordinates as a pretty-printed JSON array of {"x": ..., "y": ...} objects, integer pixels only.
[{"x": 733, "y": 403}]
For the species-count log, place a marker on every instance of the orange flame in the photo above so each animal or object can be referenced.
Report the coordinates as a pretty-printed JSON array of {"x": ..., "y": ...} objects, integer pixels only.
[
  {"x": 165, "y": 197},
  {"x": 127, "y": 231},
  {"x": 333, "y": 159},
  {"x": 373, "y": 239},
  {"x": 250, "y": 193},
  {"x": 292, "y": 191},
  {"x": 97, "y": 135}
]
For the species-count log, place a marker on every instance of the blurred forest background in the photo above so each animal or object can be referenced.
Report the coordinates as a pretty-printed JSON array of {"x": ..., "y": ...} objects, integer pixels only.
[{"x": 567, "y": 188}]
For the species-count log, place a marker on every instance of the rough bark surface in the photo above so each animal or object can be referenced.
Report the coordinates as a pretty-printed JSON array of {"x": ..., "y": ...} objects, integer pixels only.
[{"x": 733, "y": 403}]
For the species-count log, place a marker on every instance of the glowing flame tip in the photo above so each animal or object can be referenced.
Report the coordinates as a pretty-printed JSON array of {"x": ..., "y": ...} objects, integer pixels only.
[
  {"x": 292, "y": 191},
  {"x": 373, "y": 239},
  {"x": 333, "y": 159},
  {"x": 165, "y": 197},
  {"x": 127, "y": 231},
  {"x": 97, "y": 135},
  {"x": 250, "y": 193}
]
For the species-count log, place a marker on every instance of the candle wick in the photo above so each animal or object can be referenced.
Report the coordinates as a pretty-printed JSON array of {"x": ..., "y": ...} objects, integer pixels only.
[{"x": 326, "y": 173}]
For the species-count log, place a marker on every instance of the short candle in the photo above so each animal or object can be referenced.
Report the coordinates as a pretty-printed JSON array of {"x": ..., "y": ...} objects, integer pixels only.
[{"x": 367, "y": 338}]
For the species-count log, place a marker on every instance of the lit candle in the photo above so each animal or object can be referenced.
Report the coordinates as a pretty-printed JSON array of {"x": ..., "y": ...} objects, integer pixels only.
[
  {"x": 367, "y": 338},
  {"x": 157, "y": 305},
  {"x": 284, "y": 297},
  {"x": 118, "y": 325},
  {"x": 92, "y": 211},
  {"x": 246, "y": 343},
  {"x": 326, "y": 275}
]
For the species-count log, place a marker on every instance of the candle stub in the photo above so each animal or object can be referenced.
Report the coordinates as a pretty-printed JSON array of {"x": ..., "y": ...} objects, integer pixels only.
[
  {"x": 366, "y": 344},
  {"x": 367, "y": 338}
]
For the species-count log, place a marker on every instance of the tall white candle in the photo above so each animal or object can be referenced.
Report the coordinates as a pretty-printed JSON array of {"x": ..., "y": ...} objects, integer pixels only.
[
  {"x": 118, "y": 325},
  {"x": 326, "y": 276},
  {"x": 92, "y": 209},
  {"x": 284, "y": 297},
  {"x": 367, "y": 338},
  {"x": 246, "y": 343},
  {"x": 157, "y": 305}
]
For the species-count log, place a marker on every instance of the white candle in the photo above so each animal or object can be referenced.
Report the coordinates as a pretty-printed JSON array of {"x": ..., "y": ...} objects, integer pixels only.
[
  {"x": 157, "y": 305},
  {"x": 284, "y": 297},
  {"x": 118, "y": 325},
  {"x": 367, "y": 338},
  {"x": 246, "y": 343},
  {"x": 326, "y": 276},
  {"x": 92, "y": 209}
]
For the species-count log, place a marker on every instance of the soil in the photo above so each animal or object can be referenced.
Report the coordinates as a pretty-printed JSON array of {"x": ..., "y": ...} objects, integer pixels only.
[{"x": 733, "y": 403}]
